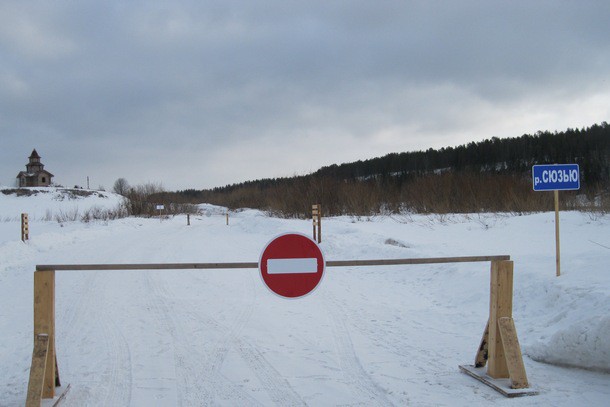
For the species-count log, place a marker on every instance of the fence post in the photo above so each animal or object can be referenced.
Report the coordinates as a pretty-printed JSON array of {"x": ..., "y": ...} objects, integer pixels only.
[
  {"x": 25, "y": 227},
  {"x": 44, "y": 323},
  {"x": 316, "y": 216}
]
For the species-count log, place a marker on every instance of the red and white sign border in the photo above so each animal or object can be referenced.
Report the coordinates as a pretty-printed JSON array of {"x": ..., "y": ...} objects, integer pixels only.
[{"x": 260, "y": 259}]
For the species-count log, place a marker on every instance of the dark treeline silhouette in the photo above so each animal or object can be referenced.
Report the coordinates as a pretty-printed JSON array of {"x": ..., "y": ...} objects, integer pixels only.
[
  {"x": 589, "y": 147},
  {"x": 493, "y": 175}
]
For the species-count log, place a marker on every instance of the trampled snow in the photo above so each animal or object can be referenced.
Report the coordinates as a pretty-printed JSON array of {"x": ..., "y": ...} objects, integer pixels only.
[{"x": 391, "y": 335}]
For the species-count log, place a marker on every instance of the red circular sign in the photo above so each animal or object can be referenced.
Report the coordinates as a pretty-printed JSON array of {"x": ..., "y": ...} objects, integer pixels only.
[{"x": 291, "y": 265}]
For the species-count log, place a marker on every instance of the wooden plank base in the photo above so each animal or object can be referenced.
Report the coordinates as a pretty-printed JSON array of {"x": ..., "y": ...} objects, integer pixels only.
[
  {"x": 502, "y": 386},
  {"x": 60, "y": 395}
]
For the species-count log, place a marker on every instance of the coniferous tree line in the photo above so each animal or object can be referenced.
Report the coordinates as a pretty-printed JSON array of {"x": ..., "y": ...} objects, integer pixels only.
[{"x": 493, "y": 175}]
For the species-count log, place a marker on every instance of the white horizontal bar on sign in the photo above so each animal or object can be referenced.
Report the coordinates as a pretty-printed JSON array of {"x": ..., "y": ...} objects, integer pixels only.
[{"x": 292, "y": 266}]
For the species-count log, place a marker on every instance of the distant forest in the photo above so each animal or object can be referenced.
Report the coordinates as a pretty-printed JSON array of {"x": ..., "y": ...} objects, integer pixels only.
[{"x": 493, "y": 175}]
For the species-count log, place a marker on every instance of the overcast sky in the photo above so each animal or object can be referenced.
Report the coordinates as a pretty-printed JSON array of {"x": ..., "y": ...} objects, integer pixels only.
[{"x": 198, "y": 94}]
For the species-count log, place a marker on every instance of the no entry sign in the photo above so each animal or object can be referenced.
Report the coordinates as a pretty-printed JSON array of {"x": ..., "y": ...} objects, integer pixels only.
[{"x": 291, "y": 265}]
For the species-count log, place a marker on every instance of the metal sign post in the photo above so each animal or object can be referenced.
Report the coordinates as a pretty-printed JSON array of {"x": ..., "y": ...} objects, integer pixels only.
[{"x": 556, "y": 177}]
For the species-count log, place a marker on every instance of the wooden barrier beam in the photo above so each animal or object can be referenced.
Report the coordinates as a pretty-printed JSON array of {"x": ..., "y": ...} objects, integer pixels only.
[
  {"x": 248, "y": 265},
  {"x": 429, "y": 260},
  {"x": 499, "y": 347}
]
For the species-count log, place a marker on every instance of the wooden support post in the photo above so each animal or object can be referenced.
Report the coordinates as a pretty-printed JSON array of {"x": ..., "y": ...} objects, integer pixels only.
[
  {"x": 316, "y": 216},
  {"x": 557, "y": 251},
  {"x": 37, "y": 370},
  {"x": 188, "y": 219},
  {"x": 227, "y": 218},
  {"x": 44, "y": 323},
  {"x": 319, "y": 223},
  {"x": 501, "y": 305},
  {"x": 25, "y": 227}
]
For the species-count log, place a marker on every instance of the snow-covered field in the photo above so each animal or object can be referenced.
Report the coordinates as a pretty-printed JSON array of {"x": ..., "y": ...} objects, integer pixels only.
[{"x": 367, "y": 336}]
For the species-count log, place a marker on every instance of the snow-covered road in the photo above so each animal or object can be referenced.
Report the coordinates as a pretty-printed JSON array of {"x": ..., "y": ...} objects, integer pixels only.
[{"x": 367, "y": 336}]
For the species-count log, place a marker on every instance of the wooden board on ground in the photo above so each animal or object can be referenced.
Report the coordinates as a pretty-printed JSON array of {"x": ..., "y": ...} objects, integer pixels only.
[
  {"x": 37, "y": 370},
  {"x": 512, "y": 351},
  {"x": 500, "y": 385},
  {"x": 60, "y": 395}
]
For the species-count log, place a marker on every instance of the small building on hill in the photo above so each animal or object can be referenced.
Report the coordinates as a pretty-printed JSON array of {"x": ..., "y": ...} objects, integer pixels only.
[{"x": 34, "y": 175}]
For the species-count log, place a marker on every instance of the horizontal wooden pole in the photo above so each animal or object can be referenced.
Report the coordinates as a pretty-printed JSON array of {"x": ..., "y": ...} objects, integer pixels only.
[
  {"x": 430, "y": 260},
  {"x": 336, "y": 263},
  {"x": 147, "y": 266}
]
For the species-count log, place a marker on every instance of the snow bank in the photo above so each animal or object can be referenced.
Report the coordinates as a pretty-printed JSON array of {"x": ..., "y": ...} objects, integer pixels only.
[
  {"x": 584, "y": 344},
  {"x": 569, "y": 322}
]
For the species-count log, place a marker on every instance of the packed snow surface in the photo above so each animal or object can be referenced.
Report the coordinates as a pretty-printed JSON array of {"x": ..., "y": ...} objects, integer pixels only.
[{"x": 386, "y": 336}]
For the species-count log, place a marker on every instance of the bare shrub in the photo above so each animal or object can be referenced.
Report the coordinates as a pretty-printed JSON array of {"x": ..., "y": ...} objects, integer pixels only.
[
  {"x": 19, "y": 192},
  {"x": 96, "y": 213},
  {"x": 426, "y": 193},
  {"x": 121, "y": 186},
  {"x": 142, "y": 200},
  {"x": 69, "y": 215}
]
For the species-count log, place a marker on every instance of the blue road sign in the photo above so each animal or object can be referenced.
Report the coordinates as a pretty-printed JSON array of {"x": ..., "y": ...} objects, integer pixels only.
[{"x": 561, "y": 177}]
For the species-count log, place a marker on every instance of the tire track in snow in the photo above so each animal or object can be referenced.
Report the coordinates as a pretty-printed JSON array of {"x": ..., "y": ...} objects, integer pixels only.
[
  {"x": 278, "y": 388},
  {"x": 198, "y": 371},
  {"x": 354, "y": 373},
  {"x": 190, "y": 388},
  {"x": 112, "y": 384}
]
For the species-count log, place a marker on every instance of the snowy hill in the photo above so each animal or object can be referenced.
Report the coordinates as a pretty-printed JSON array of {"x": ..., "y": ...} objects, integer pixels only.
[
  {"x": 51, "y": 202},
  {"x": 390, "y": 335}
]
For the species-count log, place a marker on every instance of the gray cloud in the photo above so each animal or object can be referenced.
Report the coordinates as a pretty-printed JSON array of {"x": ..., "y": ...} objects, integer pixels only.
[{"x": 198, "y": 94}]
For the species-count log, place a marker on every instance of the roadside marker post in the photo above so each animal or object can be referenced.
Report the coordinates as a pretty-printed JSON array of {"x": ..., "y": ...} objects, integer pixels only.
[
  {"x": 25, "y": 227},
  {"x": 556, "y": 177},
  {"x": 316, "y": 217}
]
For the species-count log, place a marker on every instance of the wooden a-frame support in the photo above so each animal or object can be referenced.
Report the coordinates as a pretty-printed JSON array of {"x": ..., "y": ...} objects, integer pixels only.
[{"x": 499, "y": 347}]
